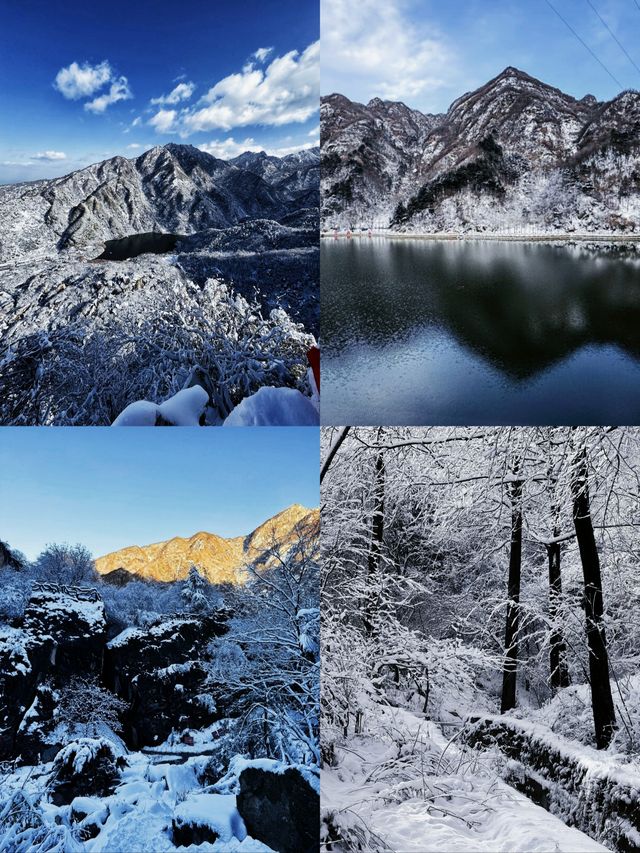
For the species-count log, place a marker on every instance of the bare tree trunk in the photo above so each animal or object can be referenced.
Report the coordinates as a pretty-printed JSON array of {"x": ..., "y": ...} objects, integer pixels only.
[
  {"x": 377, "y": 533},
  {"x": 510, "y": 670},
  {"x": 604, "y": 717},
  {"x": 558, "y": 651}
]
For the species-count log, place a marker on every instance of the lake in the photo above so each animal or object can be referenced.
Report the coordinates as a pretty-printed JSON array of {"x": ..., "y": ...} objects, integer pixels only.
[{"x": 479, "y": 332}]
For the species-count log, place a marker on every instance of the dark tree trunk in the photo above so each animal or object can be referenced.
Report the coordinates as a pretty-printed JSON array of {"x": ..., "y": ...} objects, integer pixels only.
[
  {"x": 604, "y": 717},
  {"x": 510, "y": 671},
  {"x": 377, "y": 533},
  {"x": 342, "y": 434},
  {"x": 558, "y": 651}
]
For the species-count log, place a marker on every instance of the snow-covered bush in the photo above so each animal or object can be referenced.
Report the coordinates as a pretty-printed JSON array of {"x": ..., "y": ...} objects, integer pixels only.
[
  {"x": 87, "y": 374},
  {"x": 24, "y": 827},
  {"x": 65, "y": 564},
  {"x": 83, "y": 703},
  {"x": 85, "y": 767}
]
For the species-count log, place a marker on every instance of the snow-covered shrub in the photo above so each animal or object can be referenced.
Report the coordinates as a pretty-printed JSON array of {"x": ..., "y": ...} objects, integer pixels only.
[
  {"x": 87, "y": 374},
  {"x": 85, "y": 704},
  {"x": 65, "y": 564},
  {"x": 25, "y": 828}
]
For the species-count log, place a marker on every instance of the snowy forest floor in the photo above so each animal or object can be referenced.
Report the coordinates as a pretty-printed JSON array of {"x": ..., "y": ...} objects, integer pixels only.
[{"x": 404, "y": 786}]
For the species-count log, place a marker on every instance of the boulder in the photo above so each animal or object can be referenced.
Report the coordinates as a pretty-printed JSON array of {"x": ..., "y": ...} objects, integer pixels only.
[
  {"x": 280, "y": 807},
  {"x": 205, "y": 818},
  {"x": 86, "y": 767}
]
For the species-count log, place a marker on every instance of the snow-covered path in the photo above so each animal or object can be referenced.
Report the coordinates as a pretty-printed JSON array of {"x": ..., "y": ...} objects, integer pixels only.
[
  {"x": 430, "y": 799},
  {"x": 503, "y": 822}
]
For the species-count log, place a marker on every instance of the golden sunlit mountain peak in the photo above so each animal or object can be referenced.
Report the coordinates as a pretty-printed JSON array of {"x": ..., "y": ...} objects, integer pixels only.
[{"x": 219, "y": 559}]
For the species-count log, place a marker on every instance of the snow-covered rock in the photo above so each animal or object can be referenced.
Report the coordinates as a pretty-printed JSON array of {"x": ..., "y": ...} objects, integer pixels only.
[
  {"x": 207, "y": 818},
  {"x": 274, "y": 407},
  {"x": 183, "y": 409}
]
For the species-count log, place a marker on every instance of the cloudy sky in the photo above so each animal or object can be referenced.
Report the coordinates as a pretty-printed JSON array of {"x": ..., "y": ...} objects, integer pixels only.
[
  {"x": 109, "y": 488},
  {"x": 81, "y": 81},
  {"x": 429, "y": 52}
]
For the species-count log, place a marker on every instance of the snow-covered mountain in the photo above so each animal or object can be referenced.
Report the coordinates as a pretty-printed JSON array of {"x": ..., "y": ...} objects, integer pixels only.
[
  {"x": 170, "y": 188},
  {"x": 218, "y": 559},
  {"x": 515, "y": 153},
  {"x": 183, "y": 222}
]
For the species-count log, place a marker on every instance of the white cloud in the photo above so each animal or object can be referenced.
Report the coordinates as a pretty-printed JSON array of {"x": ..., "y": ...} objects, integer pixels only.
[
  {"x": 182, "y": 92},
  {"x": 164, "y": 121},
  {"x": 134, "y": 145},
  {"x": 81, "y": 81},
  {"x": 286, "y": 91},
  {"x": 262, "y": 53},
  {"x": 315, "y": 132},
  {"x": 50, "y": 155},
  {"x": 118, "y": 91},
  {"x": 375, "y": 49},
  {"x": 227, "y": 149}
]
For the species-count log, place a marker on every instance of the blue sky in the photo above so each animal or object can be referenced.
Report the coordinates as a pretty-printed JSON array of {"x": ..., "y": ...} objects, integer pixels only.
[
  {"x": 429, "y": 52},
  {"x": 78, "y": 79},
  {"x": 109, "y": 488}
]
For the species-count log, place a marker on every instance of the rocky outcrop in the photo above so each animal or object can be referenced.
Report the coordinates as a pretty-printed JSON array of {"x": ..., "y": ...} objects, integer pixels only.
[
  {"x": 159, "y": 673},
  {"x": 585, "y": 788},
  {"x": 515, "y": 153},
  {"x": 280, "y": 808},
  {"x": 8, "y": 560},
  {"x": 62, "y": 636}
]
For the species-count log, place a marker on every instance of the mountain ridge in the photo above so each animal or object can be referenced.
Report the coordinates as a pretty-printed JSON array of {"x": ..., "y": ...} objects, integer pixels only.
[
  {"x": 515, "y": 152},
  {"x": 219, "y": 559},
  {"x": 171, "y": 188}
]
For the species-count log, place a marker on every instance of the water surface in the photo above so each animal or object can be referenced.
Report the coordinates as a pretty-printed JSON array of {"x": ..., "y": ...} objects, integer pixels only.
[{"x": 473, "y": 332}]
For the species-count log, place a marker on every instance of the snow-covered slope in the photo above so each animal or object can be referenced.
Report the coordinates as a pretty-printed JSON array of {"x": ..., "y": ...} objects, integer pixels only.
[
  {"x": 515, "y": 153},
  {"x": 249, "y": 226},
  {"x": 171, "y": 188}
]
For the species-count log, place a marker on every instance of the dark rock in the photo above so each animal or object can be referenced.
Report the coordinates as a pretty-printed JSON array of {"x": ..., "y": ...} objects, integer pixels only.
[
  {"x": 280, "y": 809},
  {"x": 24, "y": 659},
  {"x": 62, "y": 636},
  {"x": 88, "y": 767},
  {"x": 7, "y": 558},
  {"x": 157, "y": 670},
  {"x": 186, "y": 834},
  {"x": 33, "y": 739},
  {"x": 73, "y": 617}
]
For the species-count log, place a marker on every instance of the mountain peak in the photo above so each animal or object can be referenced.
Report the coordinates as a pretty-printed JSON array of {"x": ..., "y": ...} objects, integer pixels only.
[{"x": 219, "y": 559}]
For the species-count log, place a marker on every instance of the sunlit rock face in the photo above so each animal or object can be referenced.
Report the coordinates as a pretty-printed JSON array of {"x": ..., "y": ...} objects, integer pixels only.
[{"x": 218, "y": 559}]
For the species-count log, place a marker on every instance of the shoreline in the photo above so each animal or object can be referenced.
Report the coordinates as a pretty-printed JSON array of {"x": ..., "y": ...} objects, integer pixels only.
[{"x": 479, "y": 236}]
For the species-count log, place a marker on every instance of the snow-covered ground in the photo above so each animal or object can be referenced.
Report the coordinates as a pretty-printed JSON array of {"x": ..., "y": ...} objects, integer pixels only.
[
  {"x": 427, "y": 795},
  {"x": 138, "y": 817}
]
